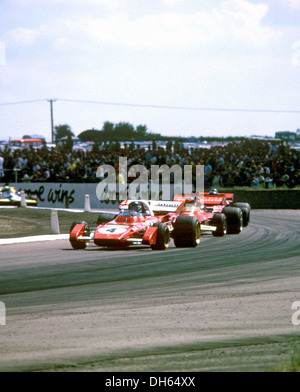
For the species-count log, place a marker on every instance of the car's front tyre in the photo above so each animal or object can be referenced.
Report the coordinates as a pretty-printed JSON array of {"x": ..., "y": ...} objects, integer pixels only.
[
  {"x": 75, "y": 243},
  {"x": 162, "y": 237}
]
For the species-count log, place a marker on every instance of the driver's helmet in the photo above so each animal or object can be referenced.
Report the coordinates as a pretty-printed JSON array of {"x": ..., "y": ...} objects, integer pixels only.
[
  {"x": 213, "y": 192},
  {"x": 139, "y": 207},
  {"x": 190, "y": 200},
  {"x": 136, "y": 206}
]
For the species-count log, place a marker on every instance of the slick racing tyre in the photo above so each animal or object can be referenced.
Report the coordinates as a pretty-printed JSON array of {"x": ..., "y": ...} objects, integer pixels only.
[
  {"x": 79, "y": 245},
  {"x": 187, "y": 232},
  {"x": 163, "y": 237},
  {"x": 220, "y": 222},
  {"x": 235, "y": 222},
  {"x": 246, "y": 208}
]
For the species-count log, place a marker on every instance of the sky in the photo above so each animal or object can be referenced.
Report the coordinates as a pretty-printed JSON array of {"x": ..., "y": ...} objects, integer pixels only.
[{"x": 180, "y": 67}]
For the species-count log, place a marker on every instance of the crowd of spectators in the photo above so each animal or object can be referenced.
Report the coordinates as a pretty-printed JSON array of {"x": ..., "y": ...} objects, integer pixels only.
[{"x": 248, "y": 163}]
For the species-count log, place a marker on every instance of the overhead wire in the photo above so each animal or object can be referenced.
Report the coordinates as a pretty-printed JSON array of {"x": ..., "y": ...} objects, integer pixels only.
[{"x": 151, "y": 106}]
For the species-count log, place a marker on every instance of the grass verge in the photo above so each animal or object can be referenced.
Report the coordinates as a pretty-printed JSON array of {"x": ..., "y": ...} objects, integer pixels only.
[
  {"x": 23, "y": 222},
  {"x": 292, "y": 366}
]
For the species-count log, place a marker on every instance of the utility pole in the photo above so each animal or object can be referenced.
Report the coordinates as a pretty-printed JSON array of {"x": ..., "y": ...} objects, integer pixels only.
[{"x": 52, "y": 125}]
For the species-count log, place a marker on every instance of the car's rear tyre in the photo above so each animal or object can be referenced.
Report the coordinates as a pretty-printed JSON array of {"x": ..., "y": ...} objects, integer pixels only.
[
  {"x": 81, "y": 244},
  {"x": 246, "y": 208},
  {"x": 220, "y": 222},
  {"x": 187, "y": 232},
  {"x": 162, "y": 238},
  {"x": 235, "y": 222}
]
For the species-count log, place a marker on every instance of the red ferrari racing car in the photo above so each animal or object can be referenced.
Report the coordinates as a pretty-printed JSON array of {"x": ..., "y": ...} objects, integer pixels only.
[
  {"x": 218, "y": 211},
  {"x": 154, "y": 223},
  {"x": 135, "y": 224}
]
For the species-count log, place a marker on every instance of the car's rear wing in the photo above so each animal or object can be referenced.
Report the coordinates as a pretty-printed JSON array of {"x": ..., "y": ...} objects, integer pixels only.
[
  {"x": 219, "y": 199},
  {"x": 207, "y": 199},
  {"x": 159, "y": 207}
]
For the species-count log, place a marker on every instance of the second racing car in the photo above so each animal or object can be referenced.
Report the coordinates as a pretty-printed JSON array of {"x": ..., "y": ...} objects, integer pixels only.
[{"x": 217, "y": 211}]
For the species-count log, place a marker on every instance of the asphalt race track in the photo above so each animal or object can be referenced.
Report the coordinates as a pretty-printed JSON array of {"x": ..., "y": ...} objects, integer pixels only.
[{"x": 223, "y": 306}]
